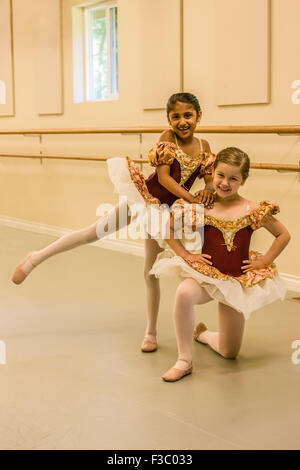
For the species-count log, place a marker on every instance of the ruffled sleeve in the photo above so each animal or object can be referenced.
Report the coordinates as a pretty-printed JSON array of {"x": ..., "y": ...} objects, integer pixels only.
[
  {"x": 207, "y": 164},
  {"x": 187, "y": 217},
  {"x": 162, "y": 153},
  {"x": 259, "y": 215}
]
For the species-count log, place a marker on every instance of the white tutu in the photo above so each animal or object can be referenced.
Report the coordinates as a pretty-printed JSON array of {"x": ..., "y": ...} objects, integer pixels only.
[
  {"x": 146, "y": 210},
  {"x": 120, "y": 177},
  {"x": 230, "y": 291}
]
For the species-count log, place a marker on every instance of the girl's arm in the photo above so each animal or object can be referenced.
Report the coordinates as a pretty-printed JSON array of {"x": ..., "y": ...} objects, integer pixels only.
[
  {"x": 206, "y": 195},
  {"x": 164, "y": 178},
  {"x": 282, "y": 237},
  {"x": 208, "y": 179},
  {"x": 180, "y": 250}
]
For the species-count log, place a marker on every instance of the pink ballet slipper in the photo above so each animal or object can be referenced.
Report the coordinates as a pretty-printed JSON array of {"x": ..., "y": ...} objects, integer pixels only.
[
  {"x": 200, "y": 328},
  {"x": 148, "y": 346},
  {"x": 174, "y": 374},
  {"x": 23, "y": 269}
]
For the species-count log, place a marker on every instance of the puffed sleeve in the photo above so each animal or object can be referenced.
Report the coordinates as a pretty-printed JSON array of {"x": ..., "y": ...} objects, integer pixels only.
[
  {"x": 162, "y": 153},
  {"x": 259, "y": 215},
  {"x": 207, "y": 164},
  {"x": 187, "y": 217}
]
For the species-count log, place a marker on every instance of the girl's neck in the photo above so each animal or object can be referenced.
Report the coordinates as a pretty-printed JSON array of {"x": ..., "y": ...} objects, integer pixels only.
[
  {"x": 184, "y": 142},
  {"x": 230, "y": 201}
]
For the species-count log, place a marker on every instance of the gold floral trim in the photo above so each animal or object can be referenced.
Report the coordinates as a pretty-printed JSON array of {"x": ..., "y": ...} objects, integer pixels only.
[
  {"x": 138, "y": 179},
  {"x": 187, "y": 168},
  {"x": 255, "y": 276},
  {"x": 208, "y": 164},
  {"x": 191, "y": 216},
  {"x": 207, "y": 270},
  {"x": 164, "y": 153},
  {"x": 188, "y": 164},
  {"x": 265, "y": 209},
  {"x": 229, "y": 227}
]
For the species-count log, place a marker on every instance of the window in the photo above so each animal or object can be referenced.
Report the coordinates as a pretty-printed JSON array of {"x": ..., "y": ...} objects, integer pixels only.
[
  {"x": 95, "y": 44},
  {"x": 2, "y": 92}
]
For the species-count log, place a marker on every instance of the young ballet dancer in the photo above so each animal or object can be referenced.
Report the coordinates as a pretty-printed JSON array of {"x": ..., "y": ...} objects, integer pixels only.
[
  {"x": 241, "y": 281},
  {"x": 179, "y": 158}
]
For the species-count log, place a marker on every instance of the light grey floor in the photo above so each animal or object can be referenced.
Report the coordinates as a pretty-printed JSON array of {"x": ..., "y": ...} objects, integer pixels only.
[{"x": 75, "y": 377}]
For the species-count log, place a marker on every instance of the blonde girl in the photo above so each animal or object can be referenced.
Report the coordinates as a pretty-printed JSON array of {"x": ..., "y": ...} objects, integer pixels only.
[{"x": 240, "y": 280}]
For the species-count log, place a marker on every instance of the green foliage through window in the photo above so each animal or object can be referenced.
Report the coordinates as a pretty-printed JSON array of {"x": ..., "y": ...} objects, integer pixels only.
[{"x": 102, "y": 52}]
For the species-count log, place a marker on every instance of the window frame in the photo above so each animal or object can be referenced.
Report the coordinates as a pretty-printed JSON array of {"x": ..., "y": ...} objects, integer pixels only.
[{"x": 88, "y": 37}]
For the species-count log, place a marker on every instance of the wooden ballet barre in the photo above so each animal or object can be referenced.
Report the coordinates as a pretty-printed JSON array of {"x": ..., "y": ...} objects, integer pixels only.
[
  {"x": 59, "y": 157},
  {"x": 281, "y": 130},
  {"x": 67, "y": 157},
  {"x": 275, "y": 166},
  {"x": 256, "y": 166}
]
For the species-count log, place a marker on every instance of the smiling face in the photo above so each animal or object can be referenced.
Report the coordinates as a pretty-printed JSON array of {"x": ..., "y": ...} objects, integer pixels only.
[
  {"x": 227, "y": 179},
  {"x": 183, "y": 119}
]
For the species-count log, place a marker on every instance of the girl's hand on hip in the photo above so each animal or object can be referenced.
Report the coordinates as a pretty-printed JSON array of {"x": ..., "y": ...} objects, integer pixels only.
[
  {"x": 253, "y": 264},
  {"x": 198, "y": 258}
]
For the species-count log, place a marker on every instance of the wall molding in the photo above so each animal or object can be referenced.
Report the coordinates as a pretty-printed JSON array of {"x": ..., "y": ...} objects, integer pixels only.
[
  {"x": 242, "y": 48},
  {"x": 49, "y": 66},
  {"x": 166, "y": 38},
  {"x": 292, "y": 281},
  {"x": 7, "y": 68},
  {"x": 124, "y": 246}
]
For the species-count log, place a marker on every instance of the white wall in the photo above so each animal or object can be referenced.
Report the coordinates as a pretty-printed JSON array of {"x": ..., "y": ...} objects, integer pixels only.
[{"x": 67, "y": 193}]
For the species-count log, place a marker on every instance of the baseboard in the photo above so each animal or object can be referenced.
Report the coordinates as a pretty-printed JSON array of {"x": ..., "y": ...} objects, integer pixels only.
[
  {"x": 124, "y": 246},
  {"x": 292, "y": 282}
]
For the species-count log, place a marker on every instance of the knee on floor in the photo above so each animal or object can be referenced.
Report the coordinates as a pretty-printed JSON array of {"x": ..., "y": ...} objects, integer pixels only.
[{"x": 229, "y": 353}]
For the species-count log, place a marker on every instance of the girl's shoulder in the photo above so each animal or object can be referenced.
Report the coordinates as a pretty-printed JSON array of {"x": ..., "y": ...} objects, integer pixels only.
[
  {"x": 263, "y": 206},
  {"x": 205, "y": 145},
  {"x": 246, "y": 210},
  {"x": 164, "y": 151},
  {"x": 261, "y": 212},
  {"x": 167, "y": 136},
  {"x": 253, "y": 205}
]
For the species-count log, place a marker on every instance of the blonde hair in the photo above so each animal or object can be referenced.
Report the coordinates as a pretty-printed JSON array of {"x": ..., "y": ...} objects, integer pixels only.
[{"x": 236, "y": 157}]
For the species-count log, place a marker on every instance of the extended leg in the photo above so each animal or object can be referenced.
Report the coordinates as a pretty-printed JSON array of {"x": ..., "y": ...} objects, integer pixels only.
[{"x": 105, "y": 226}]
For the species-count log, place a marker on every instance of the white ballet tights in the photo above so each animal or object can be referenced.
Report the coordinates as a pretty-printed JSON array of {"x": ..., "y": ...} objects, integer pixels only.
[
  {"x": 152, "y": 288},
  {"x": 227, "y": 341},
  {"x": 188, "y": 294},
  {"x": 105, "y": 226}
]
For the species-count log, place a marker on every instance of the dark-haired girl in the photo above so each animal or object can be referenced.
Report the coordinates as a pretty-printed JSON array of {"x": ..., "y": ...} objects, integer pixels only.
[{"x": 179, "y": 158}]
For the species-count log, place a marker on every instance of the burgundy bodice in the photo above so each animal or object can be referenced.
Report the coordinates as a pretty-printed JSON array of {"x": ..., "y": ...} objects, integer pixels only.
[
  {"x": 159, "y": 191},
  {"x": 228, "y": 262}
]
